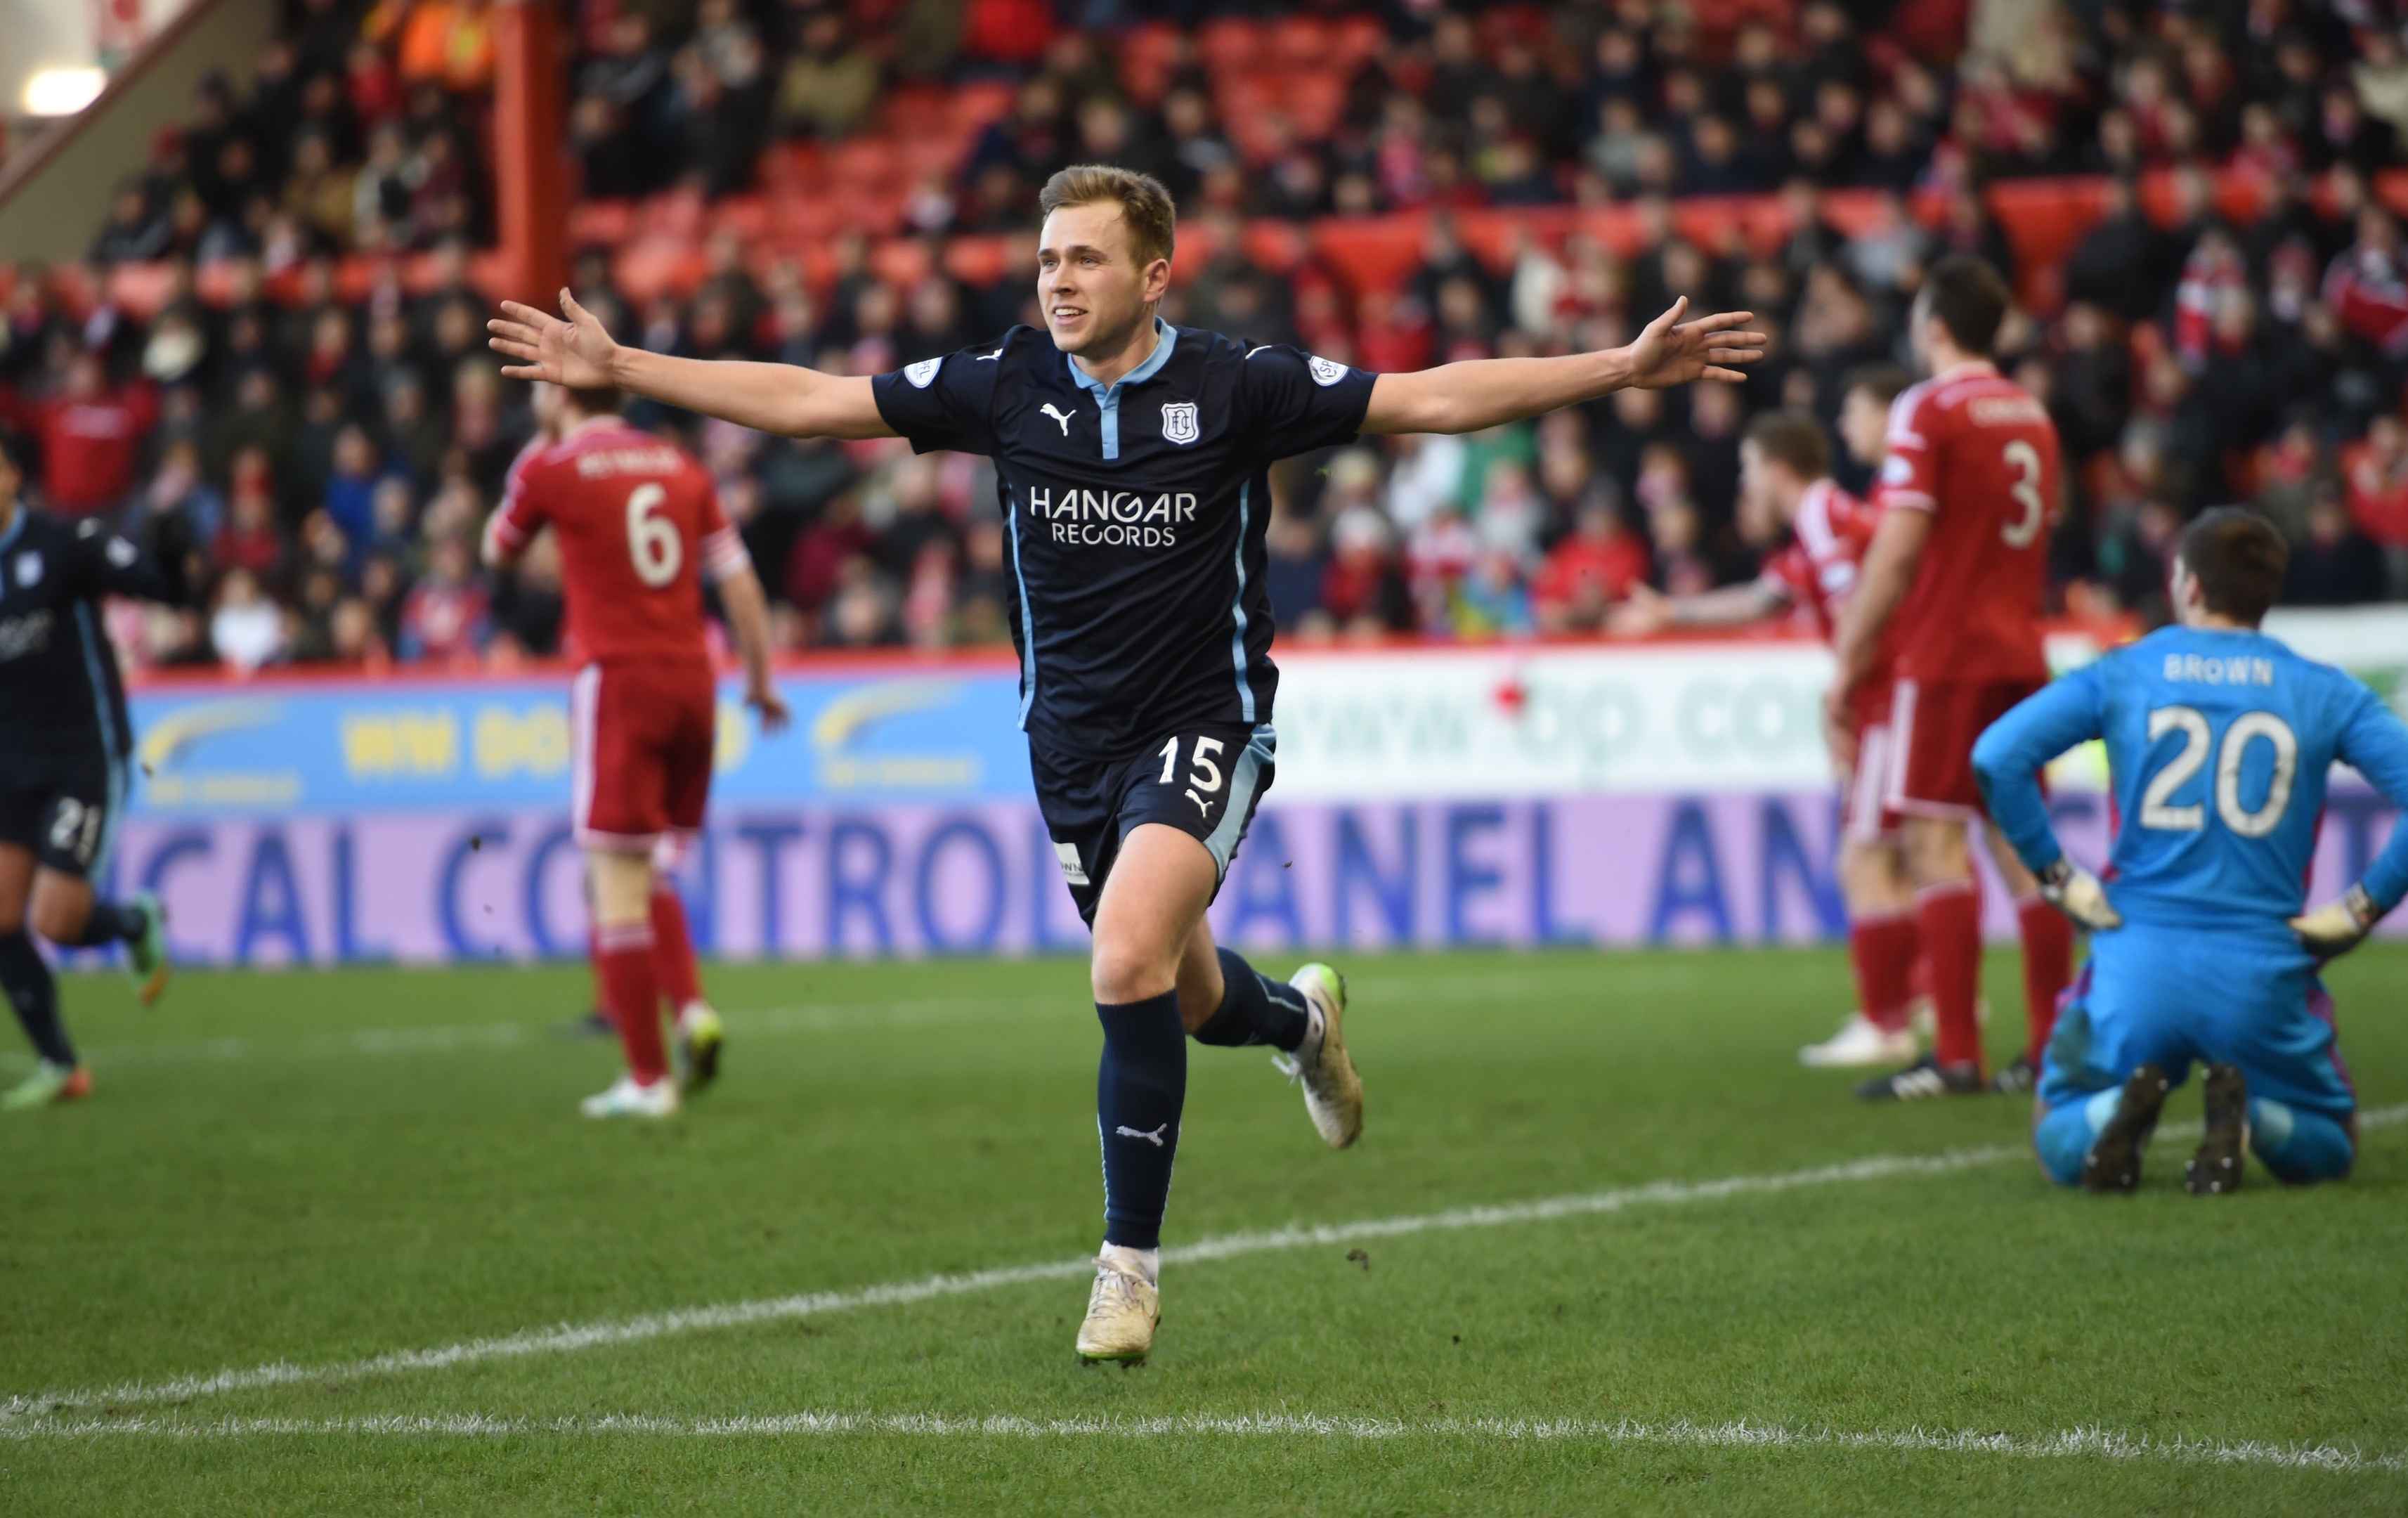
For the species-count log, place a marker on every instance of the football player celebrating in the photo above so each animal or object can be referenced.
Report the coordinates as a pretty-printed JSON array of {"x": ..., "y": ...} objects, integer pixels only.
[
  {"x": 1952, "y": 582},
  {"x": 1784, "y": 471},
  {"x": 2220, "y": 740},
  {"x": 64, "y": 745},
  {"x": 1131, "y": 461},
  {"x": 638, "y": 524}
]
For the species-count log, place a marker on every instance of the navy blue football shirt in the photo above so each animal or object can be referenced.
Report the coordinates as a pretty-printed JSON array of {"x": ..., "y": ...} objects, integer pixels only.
[{"x": 1135, "y": 516}]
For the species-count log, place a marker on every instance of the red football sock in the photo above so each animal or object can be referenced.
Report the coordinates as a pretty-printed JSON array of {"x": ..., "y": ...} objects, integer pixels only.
[
  {"x": 2048, "y": 967},
  {"x": 1948, "y": 918},
  {"x": 631, "y": 990},
  {"x": 1882, "y": 949},
  {"x": 673, "y": 948}
]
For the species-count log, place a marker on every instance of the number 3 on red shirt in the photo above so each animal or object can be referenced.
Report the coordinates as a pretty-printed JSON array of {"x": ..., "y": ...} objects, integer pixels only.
[
  {"x": 654, "y": 544},
  {"x": 2021, "y": 457}
]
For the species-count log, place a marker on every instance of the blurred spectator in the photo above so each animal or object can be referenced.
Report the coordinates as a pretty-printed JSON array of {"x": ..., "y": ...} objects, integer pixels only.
[
  {"x": 2332, "y": 564},
  {"x": 1591, "y": 570},
  {"x": 445, "y": 618},
  {"x": 88, "y": 435},
  {"x": 247, "y": 629}
]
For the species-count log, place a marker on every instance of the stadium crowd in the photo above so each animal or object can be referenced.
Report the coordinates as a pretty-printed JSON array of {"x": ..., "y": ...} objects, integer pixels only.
[{"x": 329, "y": 461}]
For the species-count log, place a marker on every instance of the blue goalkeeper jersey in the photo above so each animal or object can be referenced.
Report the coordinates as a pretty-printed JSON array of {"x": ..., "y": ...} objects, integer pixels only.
[{"x": 2218, "y": 745}]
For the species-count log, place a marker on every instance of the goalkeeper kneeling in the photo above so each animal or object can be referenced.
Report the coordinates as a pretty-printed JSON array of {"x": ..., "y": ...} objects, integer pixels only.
[{"x": 2219, "y": 739}]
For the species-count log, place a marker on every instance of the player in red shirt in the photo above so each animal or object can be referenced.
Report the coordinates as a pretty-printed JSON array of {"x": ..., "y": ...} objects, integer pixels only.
[
  {"x": 697, "y": 1025},
  {"x": 639, "y": 524},
  {"x": 1784, "y": 469},
  {"x": 1954, "y": 579}
]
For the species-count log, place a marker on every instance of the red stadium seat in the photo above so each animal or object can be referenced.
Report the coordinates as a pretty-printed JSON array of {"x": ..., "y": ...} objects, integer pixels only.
[
  {"x": 1229, "y": 45},
  {"x": 1147, "y": 55},
  {"x": 606, "y": 222},
  {"x": 1301, "y": 41},
  {"x": 747, "y": 216}
]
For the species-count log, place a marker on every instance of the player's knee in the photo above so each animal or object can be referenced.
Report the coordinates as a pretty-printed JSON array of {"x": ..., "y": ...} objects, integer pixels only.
[
  {"x": 1122, "y": 971},
  {"x": 622, "y": 887},
  {"x": 1935, "y": 850},
  {"x": 2060, "y": 1138},
  {"x": 58, "y": 915}
]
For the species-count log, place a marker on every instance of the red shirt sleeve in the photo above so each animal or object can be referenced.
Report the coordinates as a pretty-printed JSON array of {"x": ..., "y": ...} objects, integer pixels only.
[
  {"x": 1910, "y": 475},
  {"x": 521, "y": 516},
  {"x": 1790, "y": 574}
]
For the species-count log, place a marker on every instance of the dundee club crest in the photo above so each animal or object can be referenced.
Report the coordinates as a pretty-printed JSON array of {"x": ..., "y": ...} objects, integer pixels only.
[{"x": 1178, "y": 424}]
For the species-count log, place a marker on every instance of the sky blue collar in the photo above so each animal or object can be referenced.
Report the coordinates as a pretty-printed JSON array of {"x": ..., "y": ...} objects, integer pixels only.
[
  {"x": 1165, "y": 338},
  {"x": 1108, "y": 399}
]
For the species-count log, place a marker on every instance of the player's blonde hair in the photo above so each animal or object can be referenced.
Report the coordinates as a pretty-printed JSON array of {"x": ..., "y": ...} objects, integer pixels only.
[{"x": 1146, "y": 206}]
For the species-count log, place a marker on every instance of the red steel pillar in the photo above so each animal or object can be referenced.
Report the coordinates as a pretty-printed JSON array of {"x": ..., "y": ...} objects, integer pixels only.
[{"x": 530, "y": 150}]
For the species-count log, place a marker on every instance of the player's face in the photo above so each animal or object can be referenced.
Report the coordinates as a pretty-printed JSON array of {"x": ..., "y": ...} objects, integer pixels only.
[
  {"x": 1755, "y": 490},
  {"x": 1767, "y": 486},
  {"x": 2181, "y": 588},
  {"x": 544, "y": 400},
  {"x": 11, "y": 480},
  {"x": 1864, "y": 423},
  {"x": 1094, "y": 290}
]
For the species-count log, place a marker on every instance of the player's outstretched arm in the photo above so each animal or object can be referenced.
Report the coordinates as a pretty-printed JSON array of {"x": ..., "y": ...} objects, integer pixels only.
[
  {"x": 1482, "y": 393},
  {"x": 2007, "y": 761},
  {"x": 1650, "y": 610},
  {"x": 781, "y": 398}
]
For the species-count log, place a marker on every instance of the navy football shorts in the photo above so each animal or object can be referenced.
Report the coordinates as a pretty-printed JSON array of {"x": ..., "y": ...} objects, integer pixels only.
[
  {"x": 1205, "y": 782},
  {"x": 62, "y": 805}
]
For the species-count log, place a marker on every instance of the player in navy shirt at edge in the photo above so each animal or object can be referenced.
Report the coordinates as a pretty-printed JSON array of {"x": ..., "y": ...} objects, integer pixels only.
[{"x": 1132, "y": 459}]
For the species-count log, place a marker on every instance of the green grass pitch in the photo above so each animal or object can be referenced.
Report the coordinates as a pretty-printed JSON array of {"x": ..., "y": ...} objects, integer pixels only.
[{"x": 319, "y": 1168}]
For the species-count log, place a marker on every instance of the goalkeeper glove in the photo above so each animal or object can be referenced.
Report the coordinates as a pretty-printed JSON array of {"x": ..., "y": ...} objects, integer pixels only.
[
  {"x": 2077, "y": 893},
  {"x": 2336, "y": 927}
]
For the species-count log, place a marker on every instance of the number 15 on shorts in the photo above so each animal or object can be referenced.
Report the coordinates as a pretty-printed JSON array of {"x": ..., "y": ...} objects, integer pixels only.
[{"x": 1202, "y": 782}]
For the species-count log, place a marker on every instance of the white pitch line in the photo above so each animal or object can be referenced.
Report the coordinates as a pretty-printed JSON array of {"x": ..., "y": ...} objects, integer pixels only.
[
  {"x": 2071, "y": 1443},
  {"x": 565, "y": 1337}
]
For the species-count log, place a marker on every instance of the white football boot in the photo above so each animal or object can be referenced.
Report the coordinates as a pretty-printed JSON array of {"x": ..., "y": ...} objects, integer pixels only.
[
  {"x": 1861, "y": 1042},
  {"x": 1333, "y": 1093},
  {"x": 626, "y": 1098},
  {"x": 1124, "y": 1308}
]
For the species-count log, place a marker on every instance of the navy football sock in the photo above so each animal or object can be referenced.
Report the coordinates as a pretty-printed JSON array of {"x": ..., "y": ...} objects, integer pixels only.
[
  {"x": 1256, "y": 1009},
  {"x": 1139, "y": 1090},
  {"x": 34, "y": 996},
  {"x": 107, "y": 923}
]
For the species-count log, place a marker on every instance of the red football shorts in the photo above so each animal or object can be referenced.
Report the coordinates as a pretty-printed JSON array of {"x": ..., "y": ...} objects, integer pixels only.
[
  {"x": 1864, "y": 809},
  {"x": 1933, "y": 724},
  {"x": 643, "y": 733}
]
